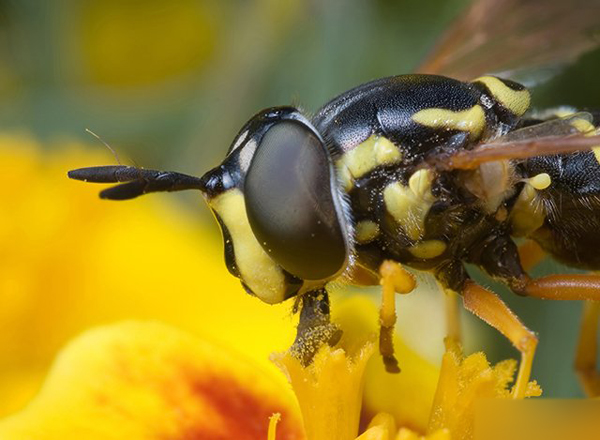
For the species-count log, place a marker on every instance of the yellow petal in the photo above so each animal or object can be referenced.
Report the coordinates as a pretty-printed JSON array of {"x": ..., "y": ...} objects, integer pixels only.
[
  {"x": 71, "y": 261},
  {"x": 329, "y": 390},
  {"x": 465, "y": 381},
  {"x": 407, "y": 434},
  {"x": 406, "y": 396},
  {"x": 146, "y": 380}
]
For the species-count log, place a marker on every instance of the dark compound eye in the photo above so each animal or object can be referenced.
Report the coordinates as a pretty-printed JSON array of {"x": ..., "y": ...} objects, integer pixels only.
[{"x": 292, "y": 205}]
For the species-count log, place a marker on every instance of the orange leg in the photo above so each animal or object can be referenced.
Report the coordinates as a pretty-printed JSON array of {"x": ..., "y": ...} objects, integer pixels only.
[
  {"x": 565, "y": 287},
  {"x": 587, "y": 349},
  {"x": 576, "y": 287},
  {"x": 530, "y": 254},
  {"x": 394, "y": 279},
  {"x": 490, "y": 308}
]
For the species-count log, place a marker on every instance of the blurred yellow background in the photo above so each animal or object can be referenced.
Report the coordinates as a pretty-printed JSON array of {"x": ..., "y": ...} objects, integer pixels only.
[{"x": 167, "y": 84}]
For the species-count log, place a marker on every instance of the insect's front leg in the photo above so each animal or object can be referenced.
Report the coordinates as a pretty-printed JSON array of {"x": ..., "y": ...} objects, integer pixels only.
[
  {"x": 394, "y": 279},
  {"x": 314, "y": 327}
]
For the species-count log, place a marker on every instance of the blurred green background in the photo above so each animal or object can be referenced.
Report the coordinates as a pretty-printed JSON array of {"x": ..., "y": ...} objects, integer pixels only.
[{"x": 168, "y": 83}]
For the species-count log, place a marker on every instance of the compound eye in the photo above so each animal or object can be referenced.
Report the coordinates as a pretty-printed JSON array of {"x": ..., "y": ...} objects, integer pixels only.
[{"x": 292, "y": 204}]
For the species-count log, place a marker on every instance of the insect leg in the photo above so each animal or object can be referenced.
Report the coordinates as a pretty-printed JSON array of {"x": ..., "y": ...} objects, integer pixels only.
[
  {"x": 587, "y": 349},
  {"x": 530, "y": 254},
  {"x": 564, "y": 287},
  {"x": 394, "y": 279},
  {"x": 453, "y": 332},
  {"x": 490, "y": 308},
  {"x": 576, "y": 287},
  {"x": 314, "y": 327}
]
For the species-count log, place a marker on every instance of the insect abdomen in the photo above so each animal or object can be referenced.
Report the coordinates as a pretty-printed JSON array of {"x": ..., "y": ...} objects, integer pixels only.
[{"x": 570, "y": 207}]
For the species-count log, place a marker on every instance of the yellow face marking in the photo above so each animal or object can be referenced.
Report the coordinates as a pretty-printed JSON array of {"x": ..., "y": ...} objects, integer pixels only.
[
  {"x": 471, "y": 120},
  {"x": 366, "y": 231},
  {"x": 365, "y": 157},
  {"x": 256, "y": 268},
  {"x": 517, "y": 101},
  {"x": 428, "y": 249},
  {"x": 410, "y": 204},
  {"x": 586, "y": 127}
]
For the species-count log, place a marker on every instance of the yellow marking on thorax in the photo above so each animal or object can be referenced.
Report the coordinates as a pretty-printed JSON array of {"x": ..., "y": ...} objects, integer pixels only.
[
  {"x": 471, "y": 120},
  {"x": 410, "y": 204},
  {"x": 366, "y": 231},
  {"x": 588, "y": 129},
  {"x": 256, "y": 268},
  {"x": 365, "y": 157},
  {"x": 528, "y": 213},
  {"x": 428, "y": 249},
  {"x": 517, "y": 101}
]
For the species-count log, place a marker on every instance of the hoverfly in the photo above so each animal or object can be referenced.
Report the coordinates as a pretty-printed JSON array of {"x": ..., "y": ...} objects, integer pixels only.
[{"x": 416, "y": 170}]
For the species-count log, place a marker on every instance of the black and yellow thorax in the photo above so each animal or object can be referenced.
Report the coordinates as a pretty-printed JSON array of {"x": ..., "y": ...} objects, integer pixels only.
[{"x": 381, "y": 135}]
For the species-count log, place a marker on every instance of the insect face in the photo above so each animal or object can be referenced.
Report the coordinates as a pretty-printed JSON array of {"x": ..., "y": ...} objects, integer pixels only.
[{"x": 276, "y": 199}]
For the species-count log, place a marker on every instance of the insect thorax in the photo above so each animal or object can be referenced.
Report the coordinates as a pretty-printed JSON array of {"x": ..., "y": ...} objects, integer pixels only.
[{"x": 382, "y": 134}]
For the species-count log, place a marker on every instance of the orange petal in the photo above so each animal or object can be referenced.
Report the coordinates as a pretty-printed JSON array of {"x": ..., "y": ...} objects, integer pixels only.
[{"x": 146, "y": 380}]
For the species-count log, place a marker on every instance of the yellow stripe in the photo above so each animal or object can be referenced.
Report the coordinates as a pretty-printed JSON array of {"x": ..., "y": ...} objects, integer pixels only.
[
  {"x": 586, "y": 127},
  {"x": 517, "y": 101},
  {"x": 365, "y": 157},
  {"x": 471, "y": 120}
]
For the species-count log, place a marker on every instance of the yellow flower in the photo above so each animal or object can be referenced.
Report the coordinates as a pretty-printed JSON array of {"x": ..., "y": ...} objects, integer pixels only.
[
  {"x": 149, "y": 381},
  {"x": 329, "y": 390},
  {"x": 71, "y": 261}
]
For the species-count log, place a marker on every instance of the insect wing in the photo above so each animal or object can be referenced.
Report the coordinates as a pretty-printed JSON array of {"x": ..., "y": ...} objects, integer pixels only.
[
  {"x": 515, "y": 37},
  {"x": 556, "y": 136}
]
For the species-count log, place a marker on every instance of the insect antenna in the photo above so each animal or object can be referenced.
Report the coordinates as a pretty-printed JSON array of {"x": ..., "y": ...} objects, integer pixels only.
[
  {"x": 137, "y": 181},
  {"x": 105, "y": 144}
]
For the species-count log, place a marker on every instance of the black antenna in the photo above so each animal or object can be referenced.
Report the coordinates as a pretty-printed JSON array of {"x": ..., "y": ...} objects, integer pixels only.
[
  {"x": 138, "y": 181},
  {"x": 105, "y": 144}
]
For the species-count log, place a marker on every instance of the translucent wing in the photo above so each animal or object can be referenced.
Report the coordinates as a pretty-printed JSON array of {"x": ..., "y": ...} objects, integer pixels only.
[
  {"x": 513, "y": 36},
  {"x": 557, "y": 136}
]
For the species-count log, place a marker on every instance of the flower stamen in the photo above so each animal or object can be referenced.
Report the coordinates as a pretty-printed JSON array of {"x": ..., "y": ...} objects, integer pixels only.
[{"x": 273, "y": 421}]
